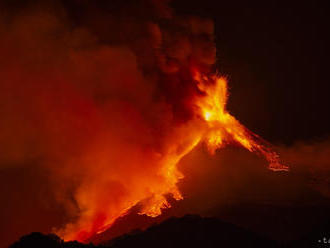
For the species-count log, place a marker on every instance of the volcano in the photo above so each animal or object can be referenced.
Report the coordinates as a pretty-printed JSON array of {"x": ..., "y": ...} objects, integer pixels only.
[{"x": 120, "y": 115}]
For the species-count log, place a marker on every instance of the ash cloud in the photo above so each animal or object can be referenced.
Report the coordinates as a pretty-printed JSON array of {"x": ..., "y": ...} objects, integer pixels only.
[
  {"x": 87, "y": 104},
  {"x": 89, "y": 93}
]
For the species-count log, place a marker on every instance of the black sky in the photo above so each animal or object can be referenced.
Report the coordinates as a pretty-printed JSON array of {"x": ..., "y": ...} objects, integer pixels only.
[{"x": 276, "y": 56}]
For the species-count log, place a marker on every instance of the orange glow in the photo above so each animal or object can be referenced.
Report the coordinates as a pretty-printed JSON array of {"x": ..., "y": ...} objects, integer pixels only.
[
  {"x": 211, "y": 124},
  {"x": 224, "y": 128}
]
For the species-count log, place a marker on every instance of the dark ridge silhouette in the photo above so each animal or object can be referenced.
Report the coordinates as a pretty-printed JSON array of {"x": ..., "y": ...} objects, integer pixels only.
[
  {"x": 193, "y": 231},
  {"x": 188, "y": 231},
  {"x": 39, "y": 240}
]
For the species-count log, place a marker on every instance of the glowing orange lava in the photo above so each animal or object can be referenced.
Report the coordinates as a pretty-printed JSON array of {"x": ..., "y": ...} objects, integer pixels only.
[
  {"x": 212, "y": 124},
  {"x": 224, "y": 128}
]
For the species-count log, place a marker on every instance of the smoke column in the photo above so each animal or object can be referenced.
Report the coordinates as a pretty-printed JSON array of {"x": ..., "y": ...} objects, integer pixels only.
[{"x": 101, "y": 121}]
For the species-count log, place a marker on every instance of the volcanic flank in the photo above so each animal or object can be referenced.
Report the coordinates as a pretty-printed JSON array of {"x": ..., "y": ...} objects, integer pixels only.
[
  {"x": 112, "y": 121},
  {"x": 104, "y": 107}
]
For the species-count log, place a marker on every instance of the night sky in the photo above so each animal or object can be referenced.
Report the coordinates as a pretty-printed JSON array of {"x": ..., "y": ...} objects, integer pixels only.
[{"x": 276, "y": 56}]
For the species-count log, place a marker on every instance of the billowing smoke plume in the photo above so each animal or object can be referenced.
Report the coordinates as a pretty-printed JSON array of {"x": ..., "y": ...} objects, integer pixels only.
[
  {"x": 96, "y": 116},
  {"x": 97, "y": 111}
]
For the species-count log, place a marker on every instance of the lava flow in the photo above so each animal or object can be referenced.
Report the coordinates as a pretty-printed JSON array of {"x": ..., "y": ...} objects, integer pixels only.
[
  {"x": 224, "y": 128},
  {"x": 109, "y": 110},
  {"x": 213, "y": 125}
]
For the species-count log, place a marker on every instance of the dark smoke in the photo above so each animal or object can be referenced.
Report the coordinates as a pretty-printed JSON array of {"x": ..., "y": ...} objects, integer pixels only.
[
  {"x": 89, "y": 91},
  {"x": 85, "y": 97}
]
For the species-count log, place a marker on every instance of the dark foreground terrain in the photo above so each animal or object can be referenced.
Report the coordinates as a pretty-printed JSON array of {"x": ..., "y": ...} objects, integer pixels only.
[{"x": 188, "y": 231}]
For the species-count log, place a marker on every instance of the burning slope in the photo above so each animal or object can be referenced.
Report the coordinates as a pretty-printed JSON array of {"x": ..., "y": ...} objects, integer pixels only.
[
  {"x": 109, "y": 121},
  {"x": 213, "y": 125}
]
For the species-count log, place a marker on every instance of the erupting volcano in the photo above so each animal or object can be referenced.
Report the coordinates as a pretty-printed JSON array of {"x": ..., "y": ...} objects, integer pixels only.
[
  {"x": 102, "y": 101},
  {"x": 210, "y": 123}
]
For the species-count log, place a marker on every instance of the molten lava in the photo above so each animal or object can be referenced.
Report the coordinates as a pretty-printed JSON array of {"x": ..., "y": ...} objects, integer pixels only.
[
  {"x": 211, "y": 124},
  {"x": 222, "y": 127}
]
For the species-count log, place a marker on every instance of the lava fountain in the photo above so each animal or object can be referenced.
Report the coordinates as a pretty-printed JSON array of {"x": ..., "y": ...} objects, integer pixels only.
[
  {"x": 109, "y": 115},
  {"x": 213, "y": 125}
]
